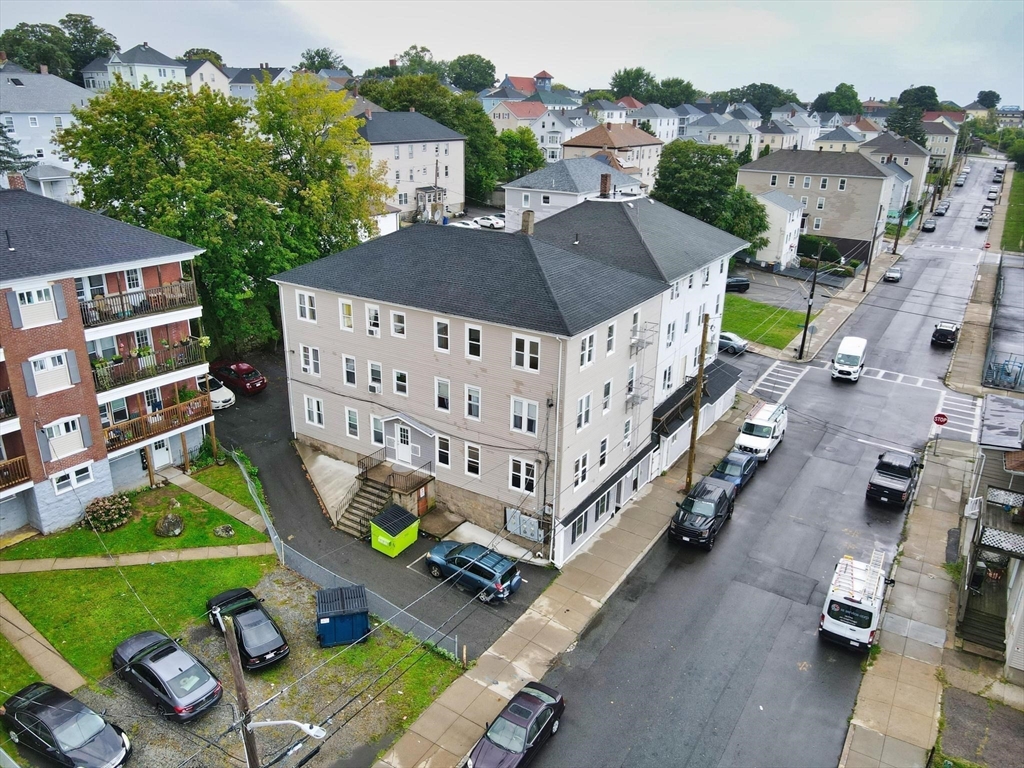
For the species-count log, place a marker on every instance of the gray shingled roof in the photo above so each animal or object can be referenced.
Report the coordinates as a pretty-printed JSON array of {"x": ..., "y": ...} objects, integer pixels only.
[
  {"x": 734, "y": 126},
  {"x": 192, "y": 66},
  {"x": 251, "y": 75},
  {"x": 900, "y": 172},
  {"x": 938, "y": 129},
  {"x": 781, "y": 199},
  {"x": 580, "y": 175},
  {"x": 711, "y": 120},
  {"x": 745, "y": 111},
  {"x": 688, "y": 110},
  {"x": 49, "y": 238},
  {"x": 823, "y": 163},
  {"x": 825, "y": 117},
  {"x": 654, "y": 111},
  {"x": 791, "y": 107},
  {"x": 604, "y": 105},
  {"x": 505, "y": 94},
  {"x": 47, "y": 172},
  {"x": 642, "y": 236},
  {"x": 841, "y": 134},
  {"x": 99, "y": 64},
  {"x": 404, "y": 127},
  {"x": 40, "y": 93},
  {"x": 891, "y": 143},
  {"x": 144, "y": 54},
  {"x": 512, "y": 280},
  {"x": 776, "y": 127},
  {"x": 551, "y": 98}
]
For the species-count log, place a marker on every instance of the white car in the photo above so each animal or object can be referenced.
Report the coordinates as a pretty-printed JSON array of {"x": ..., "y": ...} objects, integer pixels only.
[
  {"x": 464, "y": 224},
  {"x": 220, "y": 396},
  {"x": 731, "y": 343},
  {"x": 967, "y": 169},
  {"x": 491, "y": 222}
]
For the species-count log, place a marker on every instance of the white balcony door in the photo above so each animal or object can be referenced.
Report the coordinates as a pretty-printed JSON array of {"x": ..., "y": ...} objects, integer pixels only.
[
  {"x": 161, "y": 454},
  {"x": 403, "y": 451}
]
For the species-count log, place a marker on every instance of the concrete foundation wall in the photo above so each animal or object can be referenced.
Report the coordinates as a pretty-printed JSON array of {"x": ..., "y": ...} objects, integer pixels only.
[
  {"x": 13, "y": 512},
  {"x": 54, "y": 512},
  {"x": 127, "y": 472}
]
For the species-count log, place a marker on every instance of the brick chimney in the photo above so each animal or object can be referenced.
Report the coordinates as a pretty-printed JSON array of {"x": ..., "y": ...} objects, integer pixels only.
[
  {"x": 3, "y": 56},
  {"x": 606, "y": 184},
  {"x": 393, "y": 63},
  {"x": 412, "y": 109},
  {"x": 15, "y": 181},
  {"x": 368, "y": 114},
  {"x": 527, "y": 228},
  {"x": 43, "y": 69}
]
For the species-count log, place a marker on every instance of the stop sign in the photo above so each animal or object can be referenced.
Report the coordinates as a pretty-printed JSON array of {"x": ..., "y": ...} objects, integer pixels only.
[
  {"x": 940, "y": 418},
  {"x": 987, "y": 246}
]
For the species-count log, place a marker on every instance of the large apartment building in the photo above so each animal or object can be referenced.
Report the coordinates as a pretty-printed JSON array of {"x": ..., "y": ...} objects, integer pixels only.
[{"x": 100, "y": 359}]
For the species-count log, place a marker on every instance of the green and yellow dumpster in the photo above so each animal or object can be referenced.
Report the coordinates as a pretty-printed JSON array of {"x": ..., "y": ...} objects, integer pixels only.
[{"x": 393, "y": 530}]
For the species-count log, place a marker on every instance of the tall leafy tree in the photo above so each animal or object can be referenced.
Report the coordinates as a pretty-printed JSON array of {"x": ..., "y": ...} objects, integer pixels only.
[
  {"x": 202, "y": 53},
  {"x": 989, "y": 99},
  {"x": 560, "y": 87},
  {"x": 11, "y": 159},
  {"x": 923, "y": 97},
  {"x": 745, "y": 155},
  {"x": 1015, "y": 152},
  {"x": 594, "y": 95},
  {"x": 523, "y": 154},
  {"x": 418, "y": 60},
  {"x": 905, "y": 121},
  {"x": 671, "y": 92},
  {"x": 471, "y": 72},
  {"x": 31, "y": 45},
  {"x": 86, "y": 41},
  {"x": 632, "y": 81},
  {"x": 743, "y": 215},
  {"x": 763, "y": 96},
  {"x": 315, "y": 59},
  {"x": 695, "y": 178},
  {"x": 843, "y": 99}
]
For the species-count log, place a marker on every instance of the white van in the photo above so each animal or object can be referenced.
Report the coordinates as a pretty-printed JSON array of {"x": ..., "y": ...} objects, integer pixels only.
[
  {"x": 853, "y": 606},
  {"x": 763, "y": 430},
  {"x": 849, "y": 360}
]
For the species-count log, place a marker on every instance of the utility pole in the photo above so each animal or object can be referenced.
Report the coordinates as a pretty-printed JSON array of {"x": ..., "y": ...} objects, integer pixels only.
[
  {"x": 810, "y": 302},
  {"x": 871, "y": 251},
  {"x": 252, "y": 757},
  {"x": 899, "y": 227},
  {"x": 695, "y": 426}
]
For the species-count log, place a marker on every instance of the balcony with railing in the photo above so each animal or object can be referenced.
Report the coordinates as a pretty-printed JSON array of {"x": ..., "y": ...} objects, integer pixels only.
[
  {"x": 104, "y": 310},
  {"x": 6, "y": 405},
  {"x": 125, "y": 433},
  {"x": 115, "y": 372},
  {"x": 13, "y": 472}
]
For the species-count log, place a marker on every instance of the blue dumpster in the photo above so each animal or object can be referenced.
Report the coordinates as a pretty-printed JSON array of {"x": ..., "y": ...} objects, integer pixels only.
[{"x": 342, "y": 616}]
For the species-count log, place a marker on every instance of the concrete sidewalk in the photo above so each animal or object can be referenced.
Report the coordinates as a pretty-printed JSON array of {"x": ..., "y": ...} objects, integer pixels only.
[
  {"x": 446, "y": 731},
  {"x": 36, "y": 649}
]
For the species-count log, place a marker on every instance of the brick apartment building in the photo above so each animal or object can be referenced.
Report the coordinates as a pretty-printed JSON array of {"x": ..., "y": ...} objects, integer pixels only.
[{"x": 100, "y": 359}]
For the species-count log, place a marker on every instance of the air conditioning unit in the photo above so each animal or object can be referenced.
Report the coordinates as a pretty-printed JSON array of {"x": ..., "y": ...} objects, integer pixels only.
[
  {"x": 373, "y": 331},
  {"x": 375, "y": 389}
]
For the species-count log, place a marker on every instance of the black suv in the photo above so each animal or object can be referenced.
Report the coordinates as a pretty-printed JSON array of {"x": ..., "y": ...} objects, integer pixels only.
[
  {"x": 945, "y": 334},
  {"x": 701, "y": 515},
  {"x": 737, "y": 284}
]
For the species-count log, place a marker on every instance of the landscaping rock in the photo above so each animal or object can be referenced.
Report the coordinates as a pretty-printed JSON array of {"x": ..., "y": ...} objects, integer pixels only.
[
  {"x": 224, "y": 531},
  {"x": 170, "y": 525},
  {"x": 173, "y": 503}
]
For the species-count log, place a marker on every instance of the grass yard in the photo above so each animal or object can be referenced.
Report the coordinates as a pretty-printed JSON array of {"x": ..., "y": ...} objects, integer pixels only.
[
  {"x": 761, "y": 323},
  {"x": 1013, "y": 229},
  {"x": 15, "y": 672},
  {"x": 229, "y": 481},
  {"x": 137, "y": 535},
  {"x": 85, "y": 613}
]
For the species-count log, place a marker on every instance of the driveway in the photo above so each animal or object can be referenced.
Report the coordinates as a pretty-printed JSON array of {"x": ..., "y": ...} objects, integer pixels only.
[
  {"x": 782, "y": 291},
  {"x": 260, "y": 426}
]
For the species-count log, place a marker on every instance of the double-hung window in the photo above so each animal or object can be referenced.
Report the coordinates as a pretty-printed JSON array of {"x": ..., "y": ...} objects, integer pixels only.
[
  {"x": 352, "y": 422},
  {"x": 401, "y": 383},
  {"x": 524, "y": 416},
  {"x": 583, "y": 412},
  {"x": 609, "y": 344},
  {"x": 473, "y": 342},
  {"x": 376, "y": 376},
  {"x": 821, "y": 204},
  {"x": 345, "y": 307},
  {"x": 473, "y": 402},
  {"x": 670, "y": 334},
  {"x": 350, "y": 370},
  {"x": 526, "y": 353},
  {"x": 606, "y": 397},
  {"x": 398, "y": 324},
  {"x": 444, "y": 451},
  {"x": 587, "y": 351},
  {"x": 314, "y": 411},
  {"x": 372, "y": 320},
  {"x": 602, "y": 457},
  {"x": 579, "y": 473},
  {"x": 824, "y": 182},
  {"x": 522, "y": 475},
  {"x": 442, "y": 395},
  {"x": 472, "y": 460},
  {"x": 442, "y": 331},
  {"x": 307, "y": 306}
]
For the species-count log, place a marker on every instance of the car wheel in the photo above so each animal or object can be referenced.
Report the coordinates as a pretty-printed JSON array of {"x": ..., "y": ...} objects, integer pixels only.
[
  {"x": 711, "y": 544},
  {"x": 162, "y": 711},
  {"x": 14, "y": 736},
  {"x": 733, "y": 350},
  {"x": 435, "y": 570},
  {"x": 554, "y": 727}
]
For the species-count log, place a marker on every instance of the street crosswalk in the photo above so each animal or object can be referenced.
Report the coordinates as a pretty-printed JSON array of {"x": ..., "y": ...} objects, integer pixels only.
[
  {"x": 778, "y": 381},
  {"x": 964, "y": 414}
]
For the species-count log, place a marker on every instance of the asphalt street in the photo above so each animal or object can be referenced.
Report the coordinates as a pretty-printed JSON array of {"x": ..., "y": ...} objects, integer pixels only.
[{"x": 712, "y": 659}]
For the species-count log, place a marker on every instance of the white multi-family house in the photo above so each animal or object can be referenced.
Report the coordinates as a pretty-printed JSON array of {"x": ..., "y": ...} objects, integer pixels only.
[
  {"x": 201, "y": 73},
  {"x": 787, "y": 111},
  {"x": 688, "y": 114},
  {"x": 555, "y": 127},
  {"x": 734, "y": 135},
  {"x": 628, "y": 149},
  {"x": 243, "y": 83},
  {"x": 784, "y": 220},
  {"x": 941, "y": 143},
  {"x": 701, "y": 126},
  {"x": 890, "y": 149},
  {"x": 134, "y": 66},
  {"x": 562, "y": 185},
  {"x": 829, "y": 121},
  {"x": 426, "y": 161},
  {"x": 607, "y": 111},
  {"x": 35, "y": 108},
  {"x": 509, "y": 115},
  {"x": 746, "y": 113},
  {"x": 95, "y": 74},
  {"x": 807, "y": 127},
  {"x": 663, "y": 121},
  {"x": 776, "y": 135}
]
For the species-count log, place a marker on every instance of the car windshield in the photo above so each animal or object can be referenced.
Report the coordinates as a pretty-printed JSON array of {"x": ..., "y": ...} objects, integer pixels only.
[
  {"x": 848, "y": 359},
  {"x": 730, "y": 468},
  {"x": 507, "y": 735},
  {"x": 212, "y": 386},
  {"x": 699, "y": 507},
  {"x": 757, "y": 430},
  {"x": 849, "y": 614},
  {"x": 78, "y": 730},
  {"x": 186, "y": 682}
]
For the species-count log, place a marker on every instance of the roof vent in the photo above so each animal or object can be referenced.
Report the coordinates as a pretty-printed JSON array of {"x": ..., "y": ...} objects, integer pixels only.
[
  {"x": 7, "y": 234},
  {"x": 576, "y": 241}
]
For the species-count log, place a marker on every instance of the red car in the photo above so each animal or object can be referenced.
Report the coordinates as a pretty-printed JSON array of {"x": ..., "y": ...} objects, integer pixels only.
[{"x": 241, "y": 377}]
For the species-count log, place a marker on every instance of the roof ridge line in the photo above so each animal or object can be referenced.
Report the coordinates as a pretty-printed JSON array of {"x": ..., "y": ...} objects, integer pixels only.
[
  {"x": 531, "y": 244},
  {"x": 636, "y": 226}
]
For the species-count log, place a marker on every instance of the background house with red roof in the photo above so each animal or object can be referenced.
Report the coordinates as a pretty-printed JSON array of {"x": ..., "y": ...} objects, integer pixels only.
[
  {"x": 528, "y": 85},
  {"x": 509, "y": 115},
  {"x": 620, "y": 146}
]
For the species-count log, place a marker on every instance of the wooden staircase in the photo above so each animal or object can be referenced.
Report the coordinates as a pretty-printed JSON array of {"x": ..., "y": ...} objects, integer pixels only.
[
  {"x": 369, "y": 501},
  {"x": 985, "y": 629}
]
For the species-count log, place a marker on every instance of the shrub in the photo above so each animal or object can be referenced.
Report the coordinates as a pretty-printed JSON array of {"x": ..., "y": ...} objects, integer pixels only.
[
  {"x": 108, "y": 512},
  {"x": 204, "y": 458},
  {"x": 808, "y": 245}
]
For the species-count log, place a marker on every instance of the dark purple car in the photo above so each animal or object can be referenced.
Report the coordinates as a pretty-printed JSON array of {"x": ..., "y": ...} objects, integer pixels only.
[{"x": 520, "y": 730}]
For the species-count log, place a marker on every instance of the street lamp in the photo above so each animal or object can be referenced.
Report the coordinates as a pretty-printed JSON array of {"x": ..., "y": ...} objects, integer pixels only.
[{"x": 307, "y": 728}]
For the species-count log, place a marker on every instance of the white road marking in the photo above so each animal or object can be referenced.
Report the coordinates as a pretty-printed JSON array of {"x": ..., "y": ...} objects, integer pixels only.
[
  {"x": 882, "y": 445},
  {"x": 780, "y": 377},
  {"x": 419, "y": 570}
]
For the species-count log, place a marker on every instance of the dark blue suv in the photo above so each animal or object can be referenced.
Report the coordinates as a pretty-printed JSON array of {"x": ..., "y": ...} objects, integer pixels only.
[{"x": 479, "y": 570}]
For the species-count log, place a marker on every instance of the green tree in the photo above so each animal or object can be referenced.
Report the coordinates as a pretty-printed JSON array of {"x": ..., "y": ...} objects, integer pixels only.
[
  {"x": 31, "y": 45},
  {"x": 843, "y": 99},
  {"x": 922, "y": 96},
  {"x": 523, "y": 154},
  {"x": 744, "y": 216},
  {"x": 989, "y": 99},
  {"x": 86, "y": 41},
  {"x": 333, "y": 191},
  {"x": 202, "y": 53},
  {"x": 746, "y": 155},
  {"x": 186, "y": 166},
  {"x": 632, "y": 81},
  {"x": 695, "y": 178},
  {"x": 11, "y": 159},
  {"x": 471, "y": 72},
  {"x": 645, "y": 125},
  {"x": 418, "y": 60},
  {"x": 378, "y": 73},
  {"x": 1015, "y": 152},
  {"x": 763, "y": 96},
  {"x": 560, "y": 87},
  {"x": 315, "y": 59},
  {"x": 595, "y": 95},
  {"x": 765, "y": 151},
  {"x": 905, "y": 121},
  {"x": 671, "y": 92}
]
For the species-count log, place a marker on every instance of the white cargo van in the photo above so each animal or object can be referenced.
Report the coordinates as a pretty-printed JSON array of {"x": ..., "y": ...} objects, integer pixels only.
[
  {"x": 849, "y": 360},
  {"x": 763, "y": 430},
  {"x": 853, "y": 606}
]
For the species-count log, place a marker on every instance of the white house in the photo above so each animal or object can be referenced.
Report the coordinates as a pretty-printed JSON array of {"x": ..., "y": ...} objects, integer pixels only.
[
  {"x": 735, "y": 135},
  {"x": 562, "y": 185},
  {"x": 201, "y": 73},
  {"x": 787, "y": 111},
  {"x": 510, "y": 115},
  {"x": 941, "y": 143},
  {"x": 778, "y": 134},
  {"x": 841, "y": 139},
  {"x": 807, "y": 128},
  {"x": 705, "y": 124},
  {"x": 663, "y": 121},
  {"x": 688, "y": 114},
  {"x": 134, "y": 66},
  {"x": 243, "y": 84},
  {"x": 555, "y": 127},
  {"x": 746, "y": 113},
  {"x": 607, "y": 111},
  {"x": 784, "y": 217}
]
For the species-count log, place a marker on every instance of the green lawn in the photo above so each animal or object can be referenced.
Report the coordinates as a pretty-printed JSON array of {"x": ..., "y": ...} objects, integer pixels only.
[
  {"x": 1013, "y": 229},
  {"x": 15, "y": 672},
  {"x": 227, "y": 480},
  {"x": 137, "y": 535},
  {"x": 86, "y": 613},
  {"x": 761, "y": 323}
]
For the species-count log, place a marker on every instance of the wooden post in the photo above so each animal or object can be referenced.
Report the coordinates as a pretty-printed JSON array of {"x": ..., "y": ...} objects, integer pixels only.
[
  {"x": 213, "y": 438},
  {"x": 149, "y": 465},
  {"x": 695, "y": 427},
  {"x": 252, "y": 758},
  {"x": 184, "y": 451}
]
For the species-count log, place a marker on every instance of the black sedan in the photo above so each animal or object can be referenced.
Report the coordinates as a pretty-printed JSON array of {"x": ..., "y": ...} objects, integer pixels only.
[
  {"x": 945, "y": 334},
  {"x": 260, "y": 642},
  {"x": 736, "y": 468},
  {"x": 737, "y": 284},
  {"x": 928, "y": 226},
  {"x": 520, "y": 730},
  {"x": 51, "y": 723},
  {"x": 169, "y": 677}
]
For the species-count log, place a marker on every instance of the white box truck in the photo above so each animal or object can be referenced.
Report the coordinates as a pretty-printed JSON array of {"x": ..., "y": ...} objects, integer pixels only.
[
  {"x": 853, "y": 606},
  {"x": 763, "y": 430}
]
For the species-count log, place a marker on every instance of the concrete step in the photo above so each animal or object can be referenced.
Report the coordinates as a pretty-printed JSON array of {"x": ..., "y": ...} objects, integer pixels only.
[{"x": 984, "y": 629}]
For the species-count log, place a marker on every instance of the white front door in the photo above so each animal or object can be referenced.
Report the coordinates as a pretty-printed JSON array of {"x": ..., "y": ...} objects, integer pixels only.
[
  {"x": 161, "y": 454},
  {"x": 403, "y": 451}
]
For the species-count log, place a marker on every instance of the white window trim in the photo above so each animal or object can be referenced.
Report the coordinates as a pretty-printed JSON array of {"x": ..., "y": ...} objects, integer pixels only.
[
  {"x": 394, "y": 382},
  {"x": 817, "y": 224},
  {"x": 449, "y": 336},
  {"x": 344, "y": 371},
  {"x": 74, "y": 483},
  {"x": 349, "y": 412},
  {"x": 526, "y": 352},
  {"x": 306, "y": 400},
  {"x": 437, "y": 450},
  {"x": 481, "y": 330},
  {"x": 309, "y": 306},
  {"x": 581, "y": 468},
  {"x": 314, "y": 364},
  {"x": 602, "y": 459},
  {"x": 465, "y": 460},
  {"x": 405, "y": 324},
  {"x": 587, "y": 351},
  {"x": 612, "y": 326},
  {"x": 342, "y": 303},
  {"x": 381, "y": 420},
  {"x": 370, "y": 330},
  {"x": 526, "y": 415},
  {"x": 584, "y": 408},
  {"x": 369, "y": 373},
  {"x": 523, "y": 463},
  {"x": 437, "y": 381},
  {"x": 480, "y": 402}
]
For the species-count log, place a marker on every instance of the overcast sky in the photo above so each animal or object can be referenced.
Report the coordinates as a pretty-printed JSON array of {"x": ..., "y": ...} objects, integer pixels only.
[{"x": 880, "y": 47}]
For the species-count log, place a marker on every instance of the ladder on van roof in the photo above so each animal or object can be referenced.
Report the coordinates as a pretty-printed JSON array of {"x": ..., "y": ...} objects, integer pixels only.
[{"x": 846, "y": 578}]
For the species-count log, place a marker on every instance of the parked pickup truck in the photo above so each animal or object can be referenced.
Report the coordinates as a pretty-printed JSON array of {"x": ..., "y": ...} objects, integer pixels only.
[{"x": 894, "y": 478}]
